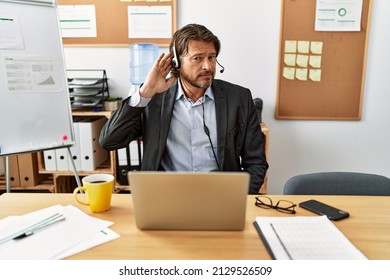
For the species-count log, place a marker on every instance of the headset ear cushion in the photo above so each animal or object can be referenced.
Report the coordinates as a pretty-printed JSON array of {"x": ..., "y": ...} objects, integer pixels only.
[
  {"x": 175, "y": 59},
  {"x": 174, "y": 63}
]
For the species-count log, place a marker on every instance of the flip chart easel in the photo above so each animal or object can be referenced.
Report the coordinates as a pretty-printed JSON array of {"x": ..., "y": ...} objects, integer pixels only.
[{"x": 35, "y": 112}]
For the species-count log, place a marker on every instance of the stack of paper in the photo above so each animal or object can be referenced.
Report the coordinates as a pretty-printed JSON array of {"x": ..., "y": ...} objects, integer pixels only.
[
  {"x": 305, "y": 238},
  {"x": 75, "y": 233}
]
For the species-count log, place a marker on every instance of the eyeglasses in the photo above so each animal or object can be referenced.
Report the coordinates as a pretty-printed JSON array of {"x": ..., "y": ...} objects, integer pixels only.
[{"x": 283, "y": 206}]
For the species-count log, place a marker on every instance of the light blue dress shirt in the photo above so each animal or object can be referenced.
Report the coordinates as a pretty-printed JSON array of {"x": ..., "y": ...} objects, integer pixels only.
[{"x": 188, "y": 147}]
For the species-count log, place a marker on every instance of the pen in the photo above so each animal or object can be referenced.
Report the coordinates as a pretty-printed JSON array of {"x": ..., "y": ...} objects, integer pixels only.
[
  {"x": 30, "y": 232},
  {"x": 31, "y": 229}
]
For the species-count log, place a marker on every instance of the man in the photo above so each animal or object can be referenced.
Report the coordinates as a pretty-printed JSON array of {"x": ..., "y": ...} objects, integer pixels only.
[{"x": 191, "y": 121}]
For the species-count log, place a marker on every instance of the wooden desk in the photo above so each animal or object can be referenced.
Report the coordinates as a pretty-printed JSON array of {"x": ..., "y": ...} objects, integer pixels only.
[{"x": 368, "y": 228}]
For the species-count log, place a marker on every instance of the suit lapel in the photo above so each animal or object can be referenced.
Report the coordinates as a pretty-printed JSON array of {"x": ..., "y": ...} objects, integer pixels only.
[
  {"x": 221, "y": 116},
  {"x": 168, "y": 99}
]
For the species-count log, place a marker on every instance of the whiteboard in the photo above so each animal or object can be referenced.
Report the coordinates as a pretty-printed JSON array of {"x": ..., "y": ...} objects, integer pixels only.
[{"x": 35, "y": 110}]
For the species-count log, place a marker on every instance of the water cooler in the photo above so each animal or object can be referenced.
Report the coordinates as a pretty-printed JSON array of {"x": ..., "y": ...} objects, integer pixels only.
[{"x": 142, "y": 58}]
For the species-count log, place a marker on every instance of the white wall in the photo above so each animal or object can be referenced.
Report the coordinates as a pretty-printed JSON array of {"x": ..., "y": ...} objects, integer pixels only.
[{"x": 249, "y": 32}]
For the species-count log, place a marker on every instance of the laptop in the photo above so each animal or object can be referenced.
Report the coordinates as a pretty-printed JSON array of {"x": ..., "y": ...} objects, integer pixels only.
[{"x": 189, "y": 201}]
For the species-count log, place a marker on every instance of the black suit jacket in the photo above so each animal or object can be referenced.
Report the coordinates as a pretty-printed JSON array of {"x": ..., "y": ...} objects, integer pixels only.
[{"x": 240, "y": 141}]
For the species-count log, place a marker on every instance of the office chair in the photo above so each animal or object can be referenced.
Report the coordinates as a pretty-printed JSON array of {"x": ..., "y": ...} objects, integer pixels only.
[{"x": 338, "y": 183}]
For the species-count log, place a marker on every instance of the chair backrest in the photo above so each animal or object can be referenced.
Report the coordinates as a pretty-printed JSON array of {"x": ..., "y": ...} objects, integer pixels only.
[{"x": 338, "y": 183}]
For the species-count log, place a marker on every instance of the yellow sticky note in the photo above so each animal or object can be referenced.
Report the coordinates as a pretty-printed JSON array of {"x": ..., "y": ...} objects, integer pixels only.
[
  {"x": 290, "y": 46},
  {"x": 316, "y": 47},
  {"x": 289, "y": 73},
  {"x": 303, "y": 46},
  {"x": 315, "y": 61},
  {"x": 315, "y": 75},
  {"x": 301, "y": 74},
  {"x": 289, "y": 59},
  {"x": 302, "y": 60}
]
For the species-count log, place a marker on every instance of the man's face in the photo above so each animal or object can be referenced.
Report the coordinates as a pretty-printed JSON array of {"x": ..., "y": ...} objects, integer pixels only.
[{"x": 198, "y": 65}]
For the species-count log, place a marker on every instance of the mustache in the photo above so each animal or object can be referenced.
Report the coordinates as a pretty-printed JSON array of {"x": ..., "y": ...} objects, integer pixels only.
[{"x": 204, "y": 73}]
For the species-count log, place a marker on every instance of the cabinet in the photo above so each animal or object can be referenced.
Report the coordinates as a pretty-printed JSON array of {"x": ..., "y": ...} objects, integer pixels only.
[{"x": 24, "y": 175}]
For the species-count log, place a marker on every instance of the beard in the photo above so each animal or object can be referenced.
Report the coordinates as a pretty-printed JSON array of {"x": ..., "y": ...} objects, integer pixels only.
[{"x": 198, "y": 84}]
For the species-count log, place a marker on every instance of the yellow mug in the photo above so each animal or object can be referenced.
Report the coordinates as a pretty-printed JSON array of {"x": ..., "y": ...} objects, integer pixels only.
[{"x": 98, "y": 189}]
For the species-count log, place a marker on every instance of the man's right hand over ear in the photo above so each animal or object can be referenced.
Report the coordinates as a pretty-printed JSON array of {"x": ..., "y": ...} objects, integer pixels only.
[{"x": 156, "y": 80}]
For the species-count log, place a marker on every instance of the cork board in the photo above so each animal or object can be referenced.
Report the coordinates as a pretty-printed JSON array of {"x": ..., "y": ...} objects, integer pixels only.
[
  {"x": 337, "y": 93},
  {"x": 112, "y": 23}
]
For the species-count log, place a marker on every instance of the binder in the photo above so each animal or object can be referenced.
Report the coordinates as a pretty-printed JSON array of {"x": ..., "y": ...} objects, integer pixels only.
[
  {"x": 50, "y": 160},
  {"x": 13, "y": 171},
  {"x": 123, "y": 164},
  {"x": 62, "y": 159},
  {"x": 28, "y": 170},
  {"x": 92, "y": 155},
  {"x": 2, "y": 168},
  {"x": 75, "y": 150},
  {"x": 305, "y": 238},
  {"x": 136, "y": 150},
  {"x": 128, "y": 159}
]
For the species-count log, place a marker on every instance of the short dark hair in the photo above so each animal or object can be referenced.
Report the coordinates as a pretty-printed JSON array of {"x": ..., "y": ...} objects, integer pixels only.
[{"x": 189, "y": 32}]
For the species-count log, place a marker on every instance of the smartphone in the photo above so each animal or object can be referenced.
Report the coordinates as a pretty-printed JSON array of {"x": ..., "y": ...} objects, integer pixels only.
[{"x": 324, "y": 209}]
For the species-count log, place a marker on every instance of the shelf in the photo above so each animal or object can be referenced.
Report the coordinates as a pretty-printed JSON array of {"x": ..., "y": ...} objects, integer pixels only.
[
  {"x": 103, "y": 168},
  {"x": 44, "y": 186},
  {"x": 90, "y": 113},
  {"x": 64, "y": 180}
]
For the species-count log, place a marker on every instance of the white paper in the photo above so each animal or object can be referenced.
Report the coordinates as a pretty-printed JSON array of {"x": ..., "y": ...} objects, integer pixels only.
[
  {"x": 150, "y": 21},
  {"x": 77, "y": 21},
  {"x": 338, "y": 15},
  {"x": 306, "y": 238},
  {"x": 101, "y": 237},
  {"x": 76, "y": 233},
  {"x": 10, "y": 31},
  {"x": 28, "y": 73}
]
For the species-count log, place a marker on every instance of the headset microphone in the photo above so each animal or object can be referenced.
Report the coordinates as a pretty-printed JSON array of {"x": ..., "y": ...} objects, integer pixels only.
[{"x": 223, "y": 68}]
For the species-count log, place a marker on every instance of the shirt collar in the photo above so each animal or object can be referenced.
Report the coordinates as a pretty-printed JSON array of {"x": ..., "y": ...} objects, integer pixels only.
[{"x": 180, "y": 92}]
